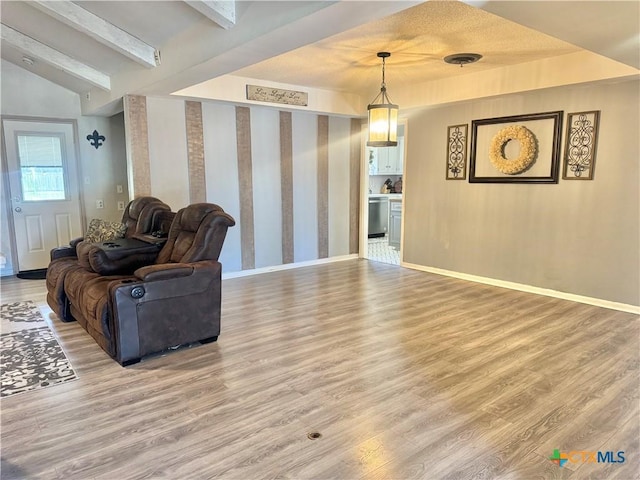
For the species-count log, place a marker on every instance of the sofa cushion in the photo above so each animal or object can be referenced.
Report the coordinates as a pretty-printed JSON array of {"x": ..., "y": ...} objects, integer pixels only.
[
  {"x": 89, "y": 299},
  {"x": 101, "y": 230},
  {"x": 56, "y": 272}
]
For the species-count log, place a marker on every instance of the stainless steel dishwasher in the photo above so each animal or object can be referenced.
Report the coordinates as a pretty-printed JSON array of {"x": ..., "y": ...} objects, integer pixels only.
[{"x": 378, "y": 216}]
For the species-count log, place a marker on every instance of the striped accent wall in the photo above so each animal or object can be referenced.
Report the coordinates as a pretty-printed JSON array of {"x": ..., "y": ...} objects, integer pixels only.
[
  {"x": 290, "y": 179},
  {"x": 138, "y": 166},
  {"x": 286, "y": 186},
  {"x": 195, "y": 149},
  {"x": 245, "y": 183},
  {"x": 354, "y": 182},
  {"x": 323, "y": 186}
]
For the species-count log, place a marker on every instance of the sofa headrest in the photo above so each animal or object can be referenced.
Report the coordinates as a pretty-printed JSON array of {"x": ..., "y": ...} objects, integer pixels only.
[
  {"x": 197, "y": 233},
  {"x": 137, "y": 205},
  {"x": 191, "y": 218},
  {"x": 138, "y": 216}
]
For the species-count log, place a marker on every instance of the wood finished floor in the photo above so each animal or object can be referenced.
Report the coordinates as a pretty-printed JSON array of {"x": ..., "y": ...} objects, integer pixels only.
[{"x": 405, "y": 374}]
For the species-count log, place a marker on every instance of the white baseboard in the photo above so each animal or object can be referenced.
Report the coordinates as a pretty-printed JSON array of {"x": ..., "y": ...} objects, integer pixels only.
[
  {"x": 288, "y": 266},
  {"x": 598, "y": 302}
]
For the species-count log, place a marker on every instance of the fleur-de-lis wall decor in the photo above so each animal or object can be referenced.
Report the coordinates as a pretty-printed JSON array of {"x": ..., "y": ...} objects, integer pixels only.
[{"x": 95, "y": 139}]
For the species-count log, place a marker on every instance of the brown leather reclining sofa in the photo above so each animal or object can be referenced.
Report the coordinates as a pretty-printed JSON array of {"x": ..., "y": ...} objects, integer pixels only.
[
  {"x": 142, "y": 216},
  {"x": 174, "y": 301}
]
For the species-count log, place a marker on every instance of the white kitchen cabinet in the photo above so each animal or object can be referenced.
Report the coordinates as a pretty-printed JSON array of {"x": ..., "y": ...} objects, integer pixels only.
[
  {"x": 395, "y": 222},
  {"x": 386, "y": 160}
]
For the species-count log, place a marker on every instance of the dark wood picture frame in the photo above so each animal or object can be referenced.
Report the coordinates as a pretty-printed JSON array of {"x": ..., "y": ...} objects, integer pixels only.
[
  {"x": 457, "y": 152},
  {"x": 580, "y": 145},
  {"x": 547, "y": 129}
]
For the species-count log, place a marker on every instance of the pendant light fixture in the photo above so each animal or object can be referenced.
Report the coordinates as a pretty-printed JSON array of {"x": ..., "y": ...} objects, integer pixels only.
[{"x": 383, "y": 116}]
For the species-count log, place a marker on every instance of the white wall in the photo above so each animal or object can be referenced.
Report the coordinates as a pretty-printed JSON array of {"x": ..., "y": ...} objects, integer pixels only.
[
  {"x": 27, "y": 94},
  {"x": 103, "y": 168},
  {"x": 24, "y": 94},
  {"x": 221, "y": 157},
  {"x": 579, "y": 237},
  {"x": 6, "y": 257},
  {"x": 339, "y": 185},
  {"x": 305, "y": 186},
  {"x": 267, "y": 197},
  {"x": 168, "y": 151}
]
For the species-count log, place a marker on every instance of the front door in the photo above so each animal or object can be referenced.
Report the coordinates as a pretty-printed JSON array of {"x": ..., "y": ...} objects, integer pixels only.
[{"x": 43, "y": 185}]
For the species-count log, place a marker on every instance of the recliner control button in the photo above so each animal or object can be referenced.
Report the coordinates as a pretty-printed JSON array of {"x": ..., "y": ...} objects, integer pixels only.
[{"x": 137, "y": 292}]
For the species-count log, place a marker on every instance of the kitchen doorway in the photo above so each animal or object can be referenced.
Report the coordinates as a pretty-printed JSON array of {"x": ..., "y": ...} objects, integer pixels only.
[{"x": 382, "y": 199}]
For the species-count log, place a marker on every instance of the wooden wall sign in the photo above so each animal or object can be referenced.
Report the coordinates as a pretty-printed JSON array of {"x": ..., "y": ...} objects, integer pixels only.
[{"x": 277, "y": 95}]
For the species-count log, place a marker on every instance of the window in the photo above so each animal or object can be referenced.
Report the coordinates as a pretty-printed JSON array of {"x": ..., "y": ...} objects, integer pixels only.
[{"x": 41, "y": 167}]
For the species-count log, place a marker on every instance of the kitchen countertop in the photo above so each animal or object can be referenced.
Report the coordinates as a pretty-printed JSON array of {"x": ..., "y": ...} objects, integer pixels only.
[{"x": 385, "y": 195}]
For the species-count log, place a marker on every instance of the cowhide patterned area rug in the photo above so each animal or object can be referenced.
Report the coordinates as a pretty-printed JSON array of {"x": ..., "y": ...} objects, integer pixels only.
[{"x": 31, "y": 357}]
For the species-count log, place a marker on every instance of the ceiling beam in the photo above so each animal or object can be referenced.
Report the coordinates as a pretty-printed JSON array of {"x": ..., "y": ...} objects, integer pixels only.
[
  {"x": 59, "y": 60},
  {"x": 223, "y": 12},
  {"x": 101, "y": 30}
]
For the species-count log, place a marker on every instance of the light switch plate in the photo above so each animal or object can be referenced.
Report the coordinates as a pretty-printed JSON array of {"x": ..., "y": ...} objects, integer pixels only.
[{"x": 119, "y": 188}]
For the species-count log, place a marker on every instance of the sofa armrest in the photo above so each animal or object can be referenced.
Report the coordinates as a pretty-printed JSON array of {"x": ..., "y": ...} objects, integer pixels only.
[
  {"x": 152, "y": 316},
  {"x": 62, "y": 252},
  {"x": 74, "y": 243},
  {"x": 118, "y": 257},
  {"x": 164, "y": 271}
]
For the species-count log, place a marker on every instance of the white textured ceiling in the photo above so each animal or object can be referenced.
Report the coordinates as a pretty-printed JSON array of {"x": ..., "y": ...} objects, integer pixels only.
[
  {"x": 418, "y": 39},
  {"x": 333, "y": 45}
]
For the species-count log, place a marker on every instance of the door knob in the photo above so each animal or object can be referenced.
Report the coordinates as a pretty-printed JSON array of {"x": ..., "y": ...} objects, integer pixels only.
[{"x": 18, "y": 209}]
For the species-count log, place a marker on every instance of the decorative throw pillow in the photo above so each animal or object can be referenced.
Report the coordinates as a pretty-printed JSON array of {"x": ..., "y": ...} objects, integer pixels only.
[{"x": 101, "y": 231}]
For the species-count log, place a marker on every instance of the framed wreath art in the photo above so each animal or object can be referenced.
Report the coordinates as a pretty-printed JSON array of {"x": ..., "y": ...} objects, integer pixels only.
[{"x": 516, "y": 149}]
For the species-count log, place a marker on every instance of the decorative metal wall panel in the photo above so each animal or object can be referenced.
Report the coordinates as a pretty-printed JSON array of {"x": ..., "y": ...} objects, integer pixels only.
[
  {"x": 457, "y": 152},
  {"x": 580, "y": 145}
]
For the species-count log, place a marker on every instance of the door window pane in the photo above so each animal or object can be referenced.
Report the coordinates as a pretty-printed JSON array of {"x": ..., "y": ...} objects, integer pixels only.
[{"x": 41, "y": 167}]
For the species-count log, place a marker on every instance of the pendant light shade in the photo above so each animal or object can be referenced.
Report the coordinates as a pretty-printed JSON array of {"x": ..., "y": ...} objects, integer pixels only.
[{"x": 383, "y": 116}]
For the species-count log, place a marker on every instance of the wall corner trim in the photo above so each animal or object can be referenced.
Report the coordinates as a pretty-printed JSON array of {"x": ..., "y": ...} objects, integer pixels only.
[{"x": 598, "y": 302}]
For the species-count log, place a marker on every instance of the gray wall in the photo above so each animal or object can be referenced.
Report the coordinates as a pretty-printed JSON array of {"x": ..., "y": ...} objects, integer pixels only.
[{"x": 580, "y": 237}]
